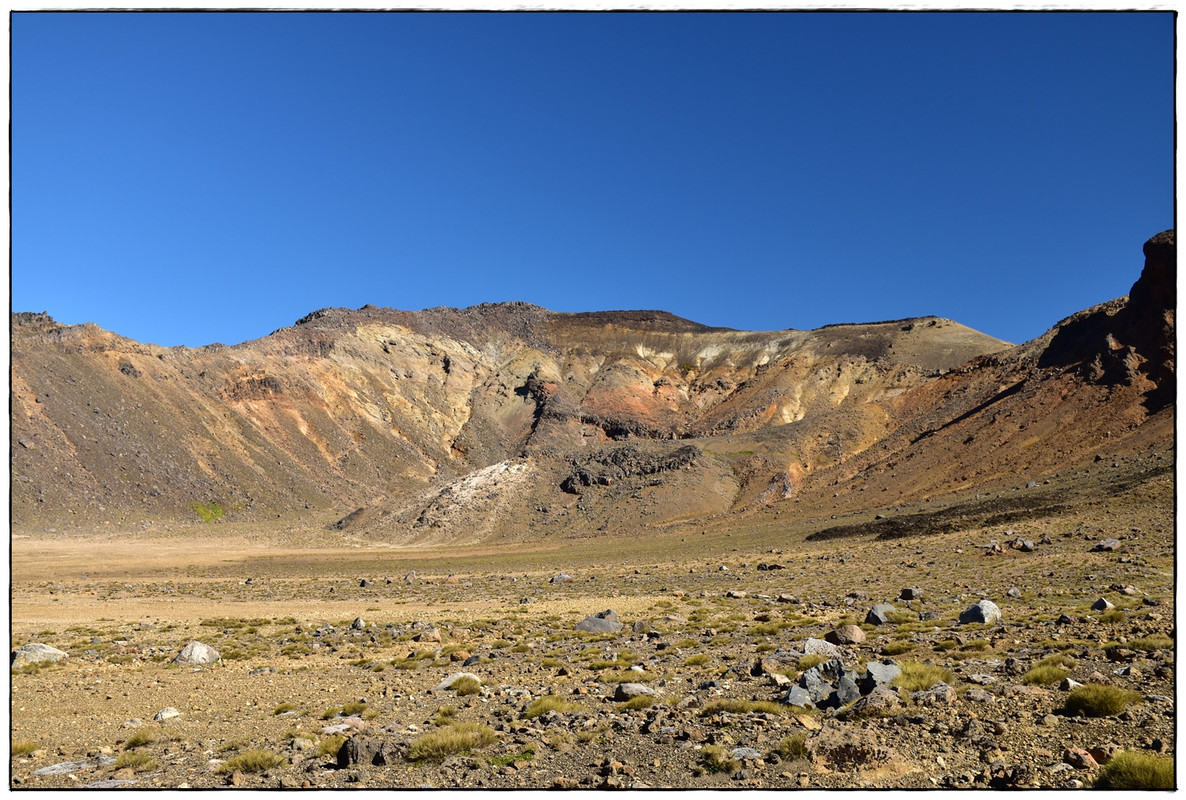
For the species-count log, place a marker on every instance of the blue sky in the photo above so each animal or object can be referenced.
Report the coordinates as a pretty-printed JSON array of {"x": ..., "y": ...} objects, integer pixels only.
[{"x": 198, "y": 178}]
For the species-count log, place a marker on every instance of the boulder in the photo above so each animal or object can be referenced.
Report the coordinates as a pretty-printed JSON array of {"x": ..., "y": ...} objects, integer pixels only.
[
  {"x": 428, "y": 635},
  {"x": 628, "y": 691},
  {"x": 197, "y": 653},
  {"x": 166, "y": 713},
  {"x": 36, "y": 653},
  {"x": 845, "y": 634},
  {"x": 879, "y": 614},
  {"x": 878, "y": 674},
  {"x": 986, "y": 611},
  {"x": 910, "y": 593},
  {"x": 1106, "y": 546},
  {"x": 602, "y": 622},
  {"x": 1102, "y": 605},
  {"x": 938, "y": 695},
  {"x": 879, "y": 701},
  {"x": 560, "y": 578}
]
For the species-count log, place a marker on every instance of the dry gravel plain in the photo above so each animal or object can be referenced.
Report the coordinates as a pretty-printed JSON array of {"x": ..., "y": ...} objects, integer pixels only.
[{"x": 327, "y": 682}]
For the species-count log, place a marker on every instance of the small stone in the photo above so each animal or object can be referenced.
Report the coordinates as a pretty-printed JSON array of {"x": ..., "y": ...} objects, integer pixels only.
[
  {"x": 1079, "y": 759},
  {"x": 166, "y": 713}
]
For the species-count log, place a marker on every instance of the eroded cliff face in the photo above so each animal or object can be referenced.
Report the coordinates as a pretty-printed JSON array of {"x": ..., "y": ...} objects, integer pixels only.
[{"x": 450, "y": 425}]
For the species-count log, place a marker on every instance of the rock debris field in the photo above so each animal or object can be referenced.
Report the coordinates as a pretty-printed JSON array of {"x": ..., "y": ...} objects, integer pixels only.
[{"x": 995, "y": 658}]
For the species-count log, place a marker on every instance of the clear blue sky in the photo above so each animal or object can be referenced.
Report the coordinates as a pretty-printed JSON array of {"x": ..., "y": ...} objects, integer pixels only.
[{"x": 210, "y": 177}]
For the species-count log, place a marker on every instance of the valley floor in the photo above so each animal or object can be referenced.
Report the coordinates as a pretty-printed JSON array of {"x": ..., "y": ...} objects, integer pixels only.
[{"x": 717, "y": 621}]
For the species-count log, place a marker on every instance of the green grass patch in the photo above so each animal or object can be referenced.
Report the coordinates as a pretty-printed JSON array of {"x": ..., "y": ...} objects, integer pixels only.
[
  {"x": 792, "y": 747},
  {"x": 20, "y": 749},
  {"x": 714, "y": 759},
  {"x": 1045, "y": 675},
  {"x": 550, "y": 702},
  {"x": 139, "y": 739},
  {"x": 1133, "y": 769},
  {"x": 1096, "y": 700},
  {"x": 140, "y": 762},
  {"x": 328, "y": 748},
  {"x": 698, "y": 660},
  {"x": 639, "y": 702},
  {"x": 742, "y": 707},
  {"x": 917, "y": 676},
  {"x": 465, "y": 685},
  {"x": 1154, "y": 641},
  {"x": 252, "y": 761},
  {"x": 207, "y": 512},
  {"x": 455, "y": 740},
  {"x": 897, "y": 648},
  {"x": 811, "y": 660}
]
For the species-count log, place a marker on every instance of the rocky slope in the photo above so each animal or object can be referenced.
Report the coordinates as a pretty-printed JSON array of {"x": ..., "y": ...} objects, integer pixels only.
[{"x": 513, "y": 422}]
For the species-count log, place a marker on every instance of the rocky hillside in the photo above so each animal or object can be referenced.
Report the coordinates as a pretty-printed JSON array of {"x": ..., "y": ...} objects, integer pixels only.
[{"x": 513, "y": 422}]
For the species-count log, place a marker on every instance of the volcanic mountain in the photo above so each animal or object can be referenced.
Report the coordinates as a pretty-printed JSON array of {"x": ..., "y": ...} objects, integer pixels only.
[{"x": 509, "y": 422}]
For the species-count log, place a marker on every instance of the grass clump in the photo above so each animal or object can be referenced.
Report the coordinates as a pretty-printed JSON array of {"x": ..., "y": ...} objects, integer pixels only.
[
  {"x": 698, "y": 660},
  {"x": 811, "y": 660},
  {"x": 917, "y": 676},
  {"x": 897, "y": 648},
  {"x": 714, "y": 758},
  {"x": 283, "y": 708},
  {"x": 328, "y": 748},
  {"x": 1096, "y": 700},
  {"x": 139, "y": 739},
  {"x": 742, "y": 707},
  {"x": 792, "y": 747},
  {"x": 252, "y": 761},
  {"x": 465, "y": 685},
  {"x": 639, "y": 702},
  {"x": 1045, "y": 675},
  {"x": 1050, "y": 670},
  {"x": 1133, "y": 769},
  {"x": 455, "y": 740},
  {"x": 1113, "y": 616},
  {"x": 23, "y": 749},
  {"x": 140, "y": 762},
  {"x": 1154, "y": 641},
  {"x": 550, "y": 702}
]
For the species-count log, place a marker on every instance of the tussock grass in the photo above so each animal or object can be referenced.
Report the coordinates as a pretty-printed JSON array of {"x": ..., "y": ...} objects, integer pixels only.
[
  {"x": 139, "y": 739},
  {"x": 792, "y": 747},
  {"x": 897, "y": 648},
  {"x": 1096, "y": 700},
  {"x": 465, "y": 685},
  {"x": 23, "y": 749},
  {"x": 698, "y": 660},
  {"x": 1154, "y": 641},
  {"x": 639, "y": 702},
  {"x": 140, "y": 762},
  {"x": 459, "y": 739},
  {"x": 1133, "y": 769},
  {"x": 917, "y": 676},
  {"x": 283, "y": 708},
  {"x": 329, "y": 747},
  {"x": 1045, "y": 675},
  {"x": 811, "y": 660},
  {"x": 742, "y": 707},
  {"x": 715, "y": 758},
  {"x": 550, "y": 702},
  {"x": 252, "y": 761}
]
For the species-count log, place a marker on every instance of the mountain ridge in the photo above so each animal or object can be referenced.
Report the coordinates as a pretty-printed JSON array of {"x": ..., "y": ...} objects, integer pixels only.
[{"x": 462, "y": 424}]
